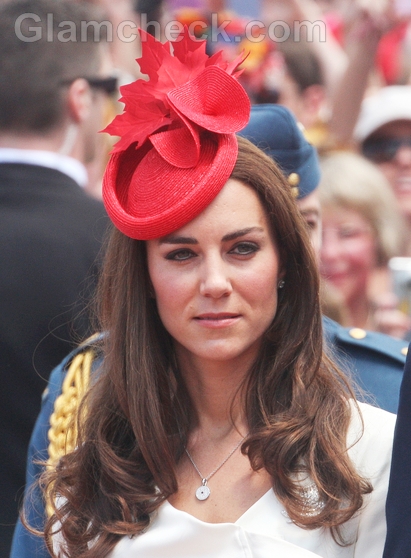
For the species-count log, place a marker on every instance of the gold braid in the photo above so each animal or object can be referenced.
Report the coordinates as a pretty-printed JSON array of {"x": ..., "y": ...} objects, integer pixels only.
[{"x": 62, "y": 434}]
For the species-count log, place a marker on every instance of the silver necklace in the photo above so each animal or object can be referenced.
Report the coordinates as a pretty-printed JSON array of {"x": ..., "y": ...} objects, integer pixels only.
[{"x": 203, "y": 492}]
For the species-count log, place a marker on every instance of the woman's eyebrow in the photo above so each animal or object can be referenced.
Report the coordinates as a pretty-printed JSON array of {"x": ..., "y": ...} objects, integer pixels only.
[
  {"x": 241, "y": 232},
  {"x": 170, "y": 239},
  {"x": 178, "y": 240}
]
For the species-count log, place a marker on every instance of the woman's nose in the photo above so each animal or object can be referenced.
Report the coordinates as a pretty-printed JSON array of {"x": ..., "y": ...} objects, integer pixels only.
[
  {"x": 215, "y": 281},
  {"x": 329, "y": 246}
]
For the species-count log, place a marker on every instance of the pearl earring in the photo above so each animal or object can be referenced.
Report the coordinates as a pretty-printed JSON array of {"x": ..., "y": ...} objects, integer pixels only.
[{"x": 280, "y": 284}]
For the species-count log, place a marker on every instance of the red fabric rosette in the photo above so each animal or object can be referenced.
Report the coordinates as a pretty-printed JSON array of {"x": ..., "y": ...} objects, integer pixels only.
[{"x": 177, "y": 144}]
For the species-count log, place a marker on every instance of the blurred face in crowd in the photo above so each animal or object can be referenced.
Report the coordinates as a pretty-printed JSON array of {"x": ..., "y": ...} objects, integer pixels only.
[
  {"x": 310, "y": 209},
  {"x": 284, "y": 90},
  {"x": 390, "y": 148},
  {"x": 94, "y": 142},
  {"x": 289, "y": 96},
  {"x": 348, "y": 252}
]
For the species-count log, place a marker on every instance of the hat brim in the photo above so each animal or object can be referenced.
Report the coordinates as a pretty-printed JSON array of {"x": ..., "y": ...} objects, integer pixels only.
[
  {"x": 390, "y": 104},
  {"x": 143, "y": 193}
]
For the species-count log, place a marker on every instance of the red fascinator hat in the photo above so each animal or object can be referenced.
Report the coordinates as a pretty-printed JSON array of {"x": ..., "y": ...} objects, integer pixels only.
[{"x": 178, "y": 145}]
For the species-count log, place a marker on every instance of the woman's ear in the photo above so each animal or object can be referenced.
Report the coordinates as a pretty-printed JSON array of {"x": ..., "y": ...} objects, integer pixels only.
[
  {"x": 281, "y": 278},
  {"x": 282, "y": 270}
]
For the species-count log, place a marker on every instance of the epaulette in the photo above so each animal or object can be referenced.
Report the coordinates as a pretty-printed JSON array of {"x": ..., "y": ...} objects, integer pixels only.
[
  {"x": 62, "y": 434},
  {"x": 372, "y": 341}
]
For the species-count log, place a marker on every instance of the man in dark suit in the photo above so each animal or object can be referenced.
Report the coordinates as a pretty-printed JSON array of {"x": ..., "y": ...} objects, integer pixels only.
[
  {"x": 398, "y": 509},
  {"x": 52, "y": 96}
]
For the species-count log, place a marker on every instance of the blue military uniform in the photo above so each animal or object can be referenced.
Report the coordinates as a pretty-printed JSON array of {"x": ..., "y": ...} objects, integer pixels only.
[
  {"x": 375, "y": 360},
  {"x": 26, "y": 545}
]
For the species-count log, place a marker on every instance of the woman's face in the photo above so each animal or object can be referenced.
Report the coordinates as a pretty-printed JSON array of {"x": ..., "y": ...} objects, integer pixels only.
[
  {"x": 215, "y": 279},
  {"x": 348, "y": 252}
]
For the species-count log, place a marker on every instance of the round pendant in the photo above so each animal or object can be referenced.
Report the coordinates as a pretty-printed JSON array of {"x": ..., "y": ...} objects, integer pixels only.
[{"x": 203, "y": 492}]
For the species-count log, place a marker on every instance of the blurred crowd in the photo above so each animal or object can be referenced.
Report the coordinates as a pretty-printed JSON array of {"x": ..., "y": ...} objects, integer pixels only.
[
  {"x": 346, "y": 76},
  {"x": 343, "y": 67}
]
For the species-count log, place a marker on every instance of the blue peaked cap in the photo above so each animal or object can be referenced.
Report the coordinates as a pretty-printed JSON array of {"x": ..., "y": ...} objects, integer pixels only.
[{"x": 274, "y": 129}]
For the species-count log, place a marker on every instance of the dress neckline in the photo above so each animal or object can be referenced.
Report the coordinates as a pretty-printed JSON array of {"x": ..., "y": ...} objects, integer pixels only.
[{"x": 236, "y": 522}]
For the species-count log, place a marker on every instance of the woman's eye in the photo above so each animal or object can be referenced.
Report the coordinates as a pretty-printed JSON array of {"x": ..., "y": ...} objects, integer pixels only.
[
  {"x": 244, "y": 248},
  {"x": 180, "y": 255},
  {"x": 312, "y": 225},
  {"x": 349, "y": 232}
]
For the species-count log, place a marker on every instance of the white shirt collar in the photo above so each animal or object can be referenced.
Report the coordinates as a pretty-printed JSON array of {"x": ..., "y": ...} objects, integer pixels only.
[{"x": 67, "y": 165}]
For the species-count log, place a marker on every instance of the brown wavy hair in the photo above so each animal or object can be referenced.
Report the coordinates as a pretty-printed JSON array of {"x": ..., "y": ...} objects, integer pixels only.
[{"x": 139, "y": 413}]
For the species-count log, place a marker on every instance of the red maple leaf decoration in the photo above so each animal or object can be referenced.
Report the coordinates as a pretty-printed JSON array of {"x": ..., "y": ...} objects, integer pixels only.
[{"x": 187, "y": 92}]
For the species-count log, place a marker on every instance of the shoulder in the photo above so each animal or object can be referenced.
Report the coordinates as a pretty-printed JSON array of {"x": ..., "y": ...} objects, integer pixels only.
[
  {"x": 86, "y": 353},
  {"x": 87, "y": 211},
  {"x": 67, "y": 385},
  {"x": 92, "y": 203},
  {"x": 370, "y": 438},
  {"x": 376, "y": 361},
  {"x": 370, "y": 343},
  {"x": 375, "y": 422}
]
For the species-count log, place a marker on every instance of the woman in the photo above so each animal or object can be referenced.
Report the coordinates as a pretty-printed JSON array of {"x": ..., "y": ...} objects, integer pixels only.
[
  {"x": 217, "y": 427},
  {"x": 362, "y": 230}
]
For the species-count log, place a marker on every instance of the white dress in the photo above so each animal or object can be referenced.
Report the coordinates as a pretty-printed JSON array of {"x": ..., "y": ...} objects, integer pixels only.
[{"x": 264, "y": 530}]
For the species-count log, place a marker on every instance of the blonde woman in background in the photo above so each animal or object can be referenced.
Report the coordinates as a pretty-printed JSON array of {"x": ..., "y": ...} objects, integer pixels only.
[{"x": 362, "y": 230}]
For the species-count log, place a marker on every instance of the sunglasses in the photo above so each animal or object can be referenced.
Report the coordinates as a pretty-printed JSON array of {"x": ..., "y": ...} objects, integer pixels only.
[
  {"x": 109, "y": 84},
  {"x": 383, "y": 150}
]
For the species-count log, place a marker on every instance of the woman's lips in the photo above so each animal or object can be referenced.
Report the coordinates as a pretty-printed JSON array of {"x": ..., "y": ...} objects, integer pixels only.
[{"x": 216, "y": 320}]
